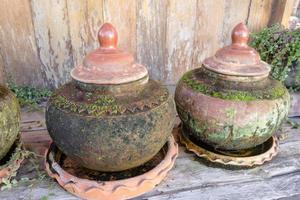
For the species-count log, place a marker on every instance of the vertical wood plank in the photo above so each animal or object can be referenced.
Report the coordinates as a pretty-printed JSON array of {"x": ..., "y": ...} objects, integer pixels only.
[
  {"x": 259, "y": 14},
  {"x": 295, "y": 7},
  {"x": 78, "y": 28},
  {"x": 85, "y": 18},
  {"x": 151, "y": 33},
  {"x": 180, "y": 30},
  {"x": 288, "y": 10},
  {"x": 42, "y": 40},
  {"x": 281, "y": 11},
  {"x": 235, "y": 12},
  {"x": 94, "y": 20},
  {"x": 17, "y": 44},
  {"x": 122, "y": 14},
  {"x": 51, "y": 25},
  {"x": 2, "y": 68},
  {"x": 207, "y": 36}
]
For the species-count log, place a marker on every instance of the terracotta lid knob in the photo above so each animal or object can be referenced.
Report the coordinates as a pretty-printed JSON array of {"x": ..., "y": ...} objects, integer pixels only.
[
  {"x": 109, "y": 65},
  {"x": 108, "y": 36},
  {"x": 238, "y": 59},
  {"x": 240, "y": 35}
]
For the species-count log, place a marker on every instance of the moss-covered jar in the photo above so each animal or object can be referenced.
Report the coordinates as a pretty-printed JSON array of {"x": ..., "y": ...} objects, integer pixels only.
[
  {"x": 111, "y": 116},
  {"x": 9, "y": 120},
  {"x": 231, "y": 103}
]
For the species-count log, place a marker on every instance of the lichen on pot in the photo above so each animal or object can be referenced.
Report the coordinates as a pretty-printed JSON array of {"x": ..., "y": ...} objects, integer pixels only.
[
  {"x": 110, "y": 117},
  {"x": 231, "y": 103}
]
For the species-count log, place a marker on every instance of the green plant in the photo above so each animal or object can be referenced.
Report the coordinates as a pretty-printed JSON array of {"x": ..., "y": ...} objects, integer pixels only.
[
  {"x": 29, "y": 95},
  {"x": 281, "y": 49}
]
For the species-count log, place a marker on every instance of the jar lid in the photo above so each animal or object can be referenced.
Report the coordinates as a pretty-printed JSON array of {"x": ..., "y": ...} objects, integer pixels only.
[
  {"x": 108, "y": 65},
  {"x": 238, "y": 59}
]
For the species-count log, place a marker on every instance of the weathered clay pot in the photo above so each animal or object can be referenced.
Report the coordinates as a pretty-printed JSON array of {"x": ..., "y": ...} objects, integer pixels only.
[
  {"x": 230, "y": 102},
  {"x": 9, "y": 120},
  {"x": 111, "y": 117}
]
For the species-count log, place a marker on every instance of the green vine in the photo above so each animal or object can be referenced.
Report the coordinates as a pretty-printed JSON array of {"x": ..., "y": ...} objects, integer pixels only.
[
  {"x": 29, "y": 96},
  {"x": 281, "y": 49}
]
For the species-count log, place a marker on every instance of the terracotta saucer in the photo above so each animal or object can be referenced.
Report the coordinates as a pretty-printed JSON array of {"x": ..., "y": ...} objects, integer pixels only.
[
  {"x": 244, "y": 158},
  {"x": 11, "y": 162},
  {"x": 90, "y": 184}
]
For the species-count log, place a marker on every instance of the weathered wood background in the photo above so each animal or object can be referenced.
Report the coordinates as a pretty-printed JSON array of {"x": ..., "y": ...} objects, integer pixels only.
[{"x": 40, "y": 41}]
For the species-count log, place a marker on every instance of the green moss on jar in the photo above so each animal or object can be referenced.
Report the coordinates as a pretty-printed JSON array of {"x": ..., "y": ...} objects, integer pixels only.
[
  {"x": 104, "y": 104},
  {"x": 98, "y": 103},
  {"x": 212, "y": 86}
]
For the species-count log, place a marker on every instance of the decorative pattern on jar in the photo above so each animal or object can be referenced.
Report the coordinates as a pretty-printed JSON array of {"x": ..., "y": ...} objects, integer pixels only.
[{"x": 111, "y": 116}]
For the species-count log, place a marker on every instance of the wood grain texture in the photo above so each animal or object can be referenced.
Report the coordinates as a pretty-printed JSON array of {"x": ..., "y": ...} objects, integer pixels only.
[
  {"x": 40, "y": 46},
  {"x": 122, "y": 14},
  {"x": 151, "y": 34},
  {"x": 259, "y": 14},
  {"x": 85, "y": 18},
  {"x": 51, "y": 25},
  {"x": 295, "y": 7},
  {"x": 288, "y": 10},
  {"x": 2, "y": 68},
  {"x": 180, "y": 33},
  {"x": 234, "y": 13},
  {"x": 207, "y": 37},
  {"x": 205, "y": 180},
  {"x": 18, "y": 50},
  {"x": 277, "y": 187},
  {"x": 281, "y": 11}
]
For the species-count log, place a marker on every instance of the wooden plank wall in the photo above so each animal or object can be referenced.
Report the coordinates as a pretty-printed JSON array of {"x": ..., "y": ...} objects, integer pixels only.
[{"x": 41, "y": 41}]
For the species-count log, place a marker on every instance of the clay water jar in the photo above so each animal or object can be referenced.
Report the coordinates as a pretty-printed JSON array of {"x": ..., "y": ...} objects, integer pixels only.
[
  {"x": 111, "y": 116},
  {"x": 9, "y": 120},
  {"x": 230, "y": 102}
]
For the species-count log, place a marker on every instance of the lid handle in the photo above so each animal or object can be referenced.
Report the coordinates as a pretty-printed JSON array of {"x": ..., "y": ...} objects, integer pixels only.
[
  {"x": 240, "y": 35},
  {"x": 108, "y": 36}
]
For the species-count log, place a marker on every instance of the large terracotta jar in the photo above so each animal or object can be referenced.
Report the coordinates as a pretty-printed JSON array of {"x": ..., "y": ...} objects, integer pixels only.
[
  {"x": 9, "y": 120},
  {"x": 230, "y": 102},
  {"x": 111, "y": 116}
]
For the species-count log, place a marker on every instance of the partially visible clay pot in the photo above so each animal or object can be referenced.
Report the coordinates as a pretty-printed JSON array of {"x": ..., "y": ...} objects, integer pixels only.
[
  {"x": 9, "y": 120},
  {"x": 230, "y": 103}
]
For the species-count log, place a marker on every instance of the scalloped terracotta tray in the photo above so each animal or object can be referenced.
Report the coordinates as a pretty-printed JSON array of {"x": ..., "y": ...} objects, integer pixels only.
[
  {"x": 110, "y": 190},
  {"x": 11, "y": 165},
  {"x": 263, "y": 153}
]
